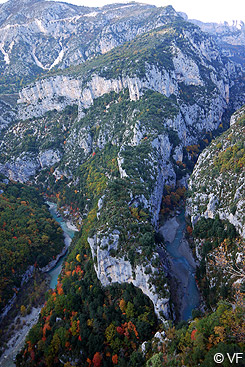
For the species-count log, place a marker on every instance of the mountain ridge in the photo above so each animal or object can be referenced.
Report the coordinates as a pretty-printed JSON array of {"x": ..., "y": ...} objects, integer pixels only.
[{"x": 114, "y": 107}]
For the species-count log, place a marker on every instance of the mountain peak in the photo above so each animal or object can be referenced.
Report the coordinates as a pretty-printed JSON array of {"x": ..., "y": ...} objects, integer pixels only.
[
  {"x": 19, "y": 3},
  {"x": 24, "y": 1}
]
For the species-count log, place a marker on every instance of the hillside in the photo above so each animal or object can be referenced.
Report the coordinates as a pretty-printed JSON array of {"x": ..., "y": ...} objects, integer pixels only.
[
  {"x": 216, "y": 208},
  {"x": 231, "y": 38},
  {"x": 122, "y": 143},
  {"x": 29, "y": 237},
  {"x": 116, "y": 108},
  {"x": 223, "y": 162},
  {"x": 36, "y": 35}
]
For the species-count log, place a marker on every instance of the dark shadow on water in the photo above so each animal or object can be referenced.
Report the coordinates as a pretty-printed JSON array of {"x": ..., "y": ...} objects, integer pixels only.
[{"x": 191, "y": 294}]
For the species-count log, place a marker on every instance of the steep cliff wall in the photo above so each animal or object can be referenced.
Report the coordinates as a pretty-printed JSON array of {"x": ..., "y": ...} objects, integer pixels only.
[
  {"x": 116, "y": 270},
  {"x": 217, "y": 183}
]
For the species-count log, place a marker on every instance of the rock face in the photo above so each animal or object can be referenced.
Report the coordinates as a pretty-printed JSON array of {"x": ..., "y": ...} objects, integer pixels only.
[
  {"x": 168, "y": 230},
  {"x": 49, "y": 158},
  {"x": 223, "y": 162},
  {"x": 116, "y": 270},
  {"x": 94, "y": 31},
  {"x": 21, "y": 169},
  {"x": 7, "y": 114},
  {"x": 60, "y": 91},
  {"x": 228, "y": 36}
]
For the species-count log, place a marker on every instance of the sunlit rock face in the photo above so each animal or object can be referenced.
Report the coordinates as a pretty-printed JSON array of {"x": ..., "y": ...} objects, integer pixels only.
[{"x": 116, "y": 270}]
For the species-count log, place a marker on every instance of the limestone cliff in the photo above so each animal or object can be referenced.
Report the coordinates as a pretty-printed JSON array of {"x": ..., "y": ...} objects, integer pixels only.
[
  {"x": 217, "y": 183},
  {"x": 116, "y": 270},
  {"x": 37, "y": 36}
]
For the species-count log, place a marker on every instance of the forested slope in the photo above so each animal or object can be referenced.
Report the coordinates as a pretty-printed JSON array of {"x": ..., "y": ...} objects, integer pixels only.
[{"x": 29, "y": 236}]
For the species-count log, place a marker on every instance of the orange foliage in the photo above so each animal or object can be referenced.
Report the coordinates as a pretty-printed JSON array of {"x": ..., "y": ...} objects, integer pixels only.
[
  {"x": 59, "y": 288},
  {"x": 46, "y": 327},
  {"x": 32, "y": 355},
  {"x": 193, "y": 337},
  {"x": 115, "y": 359}
]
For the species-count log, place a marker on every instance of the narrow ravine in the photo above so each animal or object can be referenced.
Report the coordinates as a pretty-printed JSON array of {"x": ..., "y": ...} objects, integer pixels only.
[
  {"x": 182, "y": 264},
  {"x": 18, "y": 340},
  {"x": 68, "y": 235}
]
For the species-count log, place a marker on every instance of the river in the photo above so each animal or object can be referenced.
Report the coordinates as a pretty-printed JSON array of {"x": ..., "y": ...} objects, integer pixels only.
[
  {"x": 182, "y": 264},
  {"x": 17, "y": 342},
  {"x": 68, "y": 234}
]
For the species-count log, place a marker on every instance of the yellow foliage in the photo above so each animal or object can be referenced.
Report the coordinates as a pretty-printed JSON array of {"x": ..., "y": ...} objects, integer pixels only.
[
  {"x": 122, "y": 305},
  {"x": 78, "y": 257}
]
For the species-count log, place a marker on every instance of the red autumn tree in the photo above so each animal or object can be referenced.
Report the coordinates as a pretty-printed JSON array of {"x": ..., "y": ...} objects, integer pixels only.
[
  {"x": 193, "y": 337},
  {"x": 97, "y": 360}
]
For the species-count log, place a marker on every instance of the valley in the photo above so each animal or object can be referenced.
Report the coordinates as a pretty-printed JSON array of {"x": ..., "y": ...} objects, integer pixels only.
[
  {"x": 128, "y": 120},
  {"x": 16, "y": 343}
]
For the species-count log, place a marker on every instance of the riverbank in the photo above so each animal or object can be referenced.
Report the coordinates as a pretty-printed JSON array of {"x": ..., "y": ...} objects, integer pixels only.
[
  {"x": 16, "y": 326},
  {"x": 16, "y": 343}
]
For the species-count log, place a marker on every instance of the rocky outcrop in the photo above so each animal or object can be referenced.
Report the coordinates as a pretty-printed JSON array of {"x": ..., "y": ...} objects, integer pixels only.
[
  {"x": 49, "y": 157},
  {"x": 169, "y": 229},
  {"x": 59, "y": 91},
  {"x": 7, "y": 114},
  {"x": 35, "y": 101},
  {"x": 21, "y": 168},
  {"x": 164, "y": 174},
  {"x": 111, "y": 269},
  {"x": 186, "y": 69},
  {"x": 27, "y": 165},
  {"x": 223, "y": 195}
]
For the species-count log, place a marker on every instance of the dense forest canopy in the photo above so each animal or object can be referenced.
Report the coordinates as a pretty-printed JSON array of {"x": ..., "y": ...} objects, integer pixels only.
[{"x": 29, "y": 235}]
